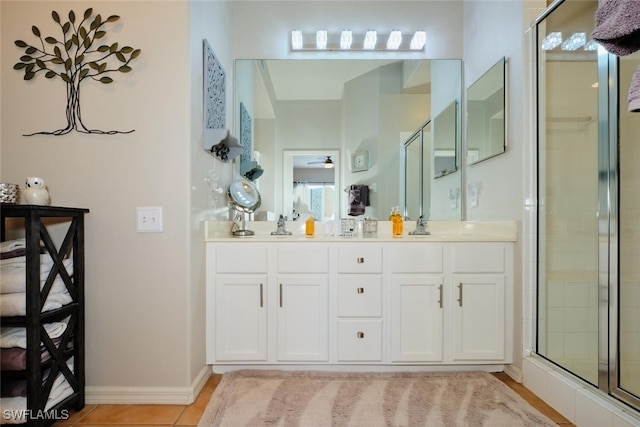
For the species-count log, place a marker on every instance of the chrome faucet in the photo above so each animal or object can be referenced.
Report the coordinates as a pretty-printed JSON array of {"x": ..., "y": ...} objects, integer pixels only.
[
  {"x": 281, "y": 231},
  {"x": 420, "y": 228}
]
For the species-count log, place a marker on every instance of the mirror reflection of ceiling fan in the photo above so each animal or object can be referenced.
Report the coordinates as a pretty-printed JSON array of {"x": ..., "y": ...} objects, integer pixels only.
[{"x": 327, "y": 162}]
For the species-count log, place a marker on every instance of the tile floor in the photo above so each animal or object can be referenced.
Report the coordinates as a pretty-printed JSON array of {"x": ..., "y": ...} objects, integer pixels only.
[{"x": 189, "y": 415}]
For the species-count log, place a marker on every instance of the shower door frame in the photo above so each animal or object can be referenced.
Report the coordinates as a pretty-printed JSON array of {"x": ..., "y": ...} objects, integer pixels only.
[{"x": 608, "y": 219}]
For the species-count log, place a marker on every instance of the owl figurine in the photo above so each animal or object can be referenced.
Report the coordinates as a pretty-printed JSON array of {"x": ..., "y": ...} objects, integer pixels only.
[{"x": 35, "y": 192}]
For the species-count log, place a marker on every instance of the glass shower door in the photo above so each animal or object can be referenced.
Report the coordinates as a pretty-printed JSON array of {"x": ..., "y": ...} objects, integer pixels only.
[
  {"x": 568, "y": 253},
  {"x": 627, "y": 374},
  {"x": 588, "y": 295}
]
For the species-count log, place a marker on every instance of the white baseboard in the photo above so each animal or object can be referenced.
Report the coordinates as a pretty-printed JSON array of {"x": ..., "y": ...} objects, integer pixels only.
[
  {"x": 97, "y": 395},
  {"x": 514, "y": 372}
]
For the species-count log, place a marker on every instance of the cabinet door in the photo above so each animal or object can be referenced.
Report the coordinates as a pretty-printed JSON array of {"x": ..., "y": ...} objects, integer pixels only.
[
  {"x": 241, "y": 317},
  {"x": 479, "y": 317},
  {"x": 416, "y": 318},
  {"x": 303, "y": 318}
]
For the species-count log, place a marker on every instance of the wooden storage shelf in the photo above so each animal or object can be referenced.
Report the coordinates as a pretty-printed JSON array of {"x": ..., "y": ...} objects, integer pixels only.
[{"x": 71, "y": 343}]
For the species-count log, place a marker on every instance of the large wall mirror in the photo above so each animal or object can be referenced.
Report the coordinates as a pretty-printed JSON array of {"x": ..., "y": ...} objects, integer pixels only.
[
  {"x": 304, "y": 112},
  {"x": 486, "y": 115}
]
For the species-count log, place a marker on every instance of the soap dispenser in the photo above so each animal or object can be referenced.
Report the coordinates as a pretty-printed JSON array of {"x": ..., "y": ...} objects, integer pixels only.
[
  {"x": 310, "y": 226},
  {"x": 396, "y": 220}
]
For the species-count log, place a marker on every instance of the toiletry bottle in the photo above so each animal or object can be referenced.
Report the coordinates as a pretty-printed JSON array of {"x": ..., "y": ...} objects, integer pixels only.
[
  {"x": 397, "y": 222},
  {"x": 393, "y": 211},
  {"x": 310, "y": 226}
]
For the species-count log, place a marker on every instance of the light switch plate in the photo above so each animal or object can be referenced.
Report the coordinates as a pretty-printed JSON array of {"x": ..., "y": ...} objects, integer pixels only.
[{"x": 149, "y": 219}]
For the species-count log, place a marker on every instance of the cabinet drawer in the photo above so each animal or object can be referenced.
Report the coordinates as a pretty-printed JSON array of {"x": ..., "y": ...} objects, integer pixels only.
[
  {"x": 303, "y": 259},
  {"x": 241, "y": 258},
  {"x": 360, "y": 340},
  {"x": 479, "y": 258},
  {"x": 360, "y": 296},
  {"x": 360, "y": 259},
  {"x": 415, "y": 258}
]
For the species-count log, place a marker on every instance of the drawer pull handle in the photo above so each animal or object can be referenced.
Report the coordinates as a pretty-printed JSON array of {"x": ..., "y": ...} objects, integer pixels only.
[
  {"x": 360, "y": 290},
  {"x": 460, "y": 294},
  {"x": 440, "y": 300},
  {"x": 360, "y": 260},
  {"x": 360, "y": 335},
  {"x": 261, "y": 295},
  {"x": 280, "y": 294}
]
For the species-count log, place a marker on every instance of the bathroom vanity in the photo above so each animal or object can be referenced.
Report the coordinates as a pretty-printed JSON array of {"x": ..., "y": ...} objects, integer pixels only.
[{"x": 442, "y": 299}]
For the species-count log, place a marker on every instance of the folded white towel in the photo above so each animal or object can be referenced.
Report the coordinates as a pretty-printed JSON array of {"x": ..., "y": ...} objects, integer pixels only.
[
  {"x": 13, "y": 409},
  {"x": 13, "y": 279},
  {"x": 12, "y": 245},
  {"x": 19, "y": 262},
  {"x": 11, "y": 336},
  {"x": 16, "y": 304}
]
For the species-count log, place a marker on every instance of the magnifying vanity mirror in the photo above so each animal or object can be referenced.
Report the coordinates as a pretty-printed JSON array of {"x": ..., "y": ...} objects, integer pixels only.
[
  {"x": 486, "y": 115},
  {"x": 303, "y": 110},
  {"x": 245, "y": 199}
]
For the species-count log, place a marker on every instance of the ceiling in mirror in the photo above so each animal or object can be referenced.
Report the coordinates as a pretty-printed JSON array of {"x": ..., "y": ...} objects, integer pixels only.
[{"x": 298, "y": 80}]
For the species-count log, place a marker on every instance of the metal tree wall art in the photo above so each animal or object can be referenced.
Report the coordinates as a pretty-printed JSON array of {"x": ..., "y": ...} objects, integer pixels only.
[{"x": 75, "y": 58}]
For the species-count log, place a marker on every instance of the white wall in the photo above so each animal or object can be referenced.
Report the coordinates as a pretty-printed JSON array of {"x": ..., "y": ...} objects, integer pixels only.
[
  {"x": 494, "y": 29},
  {"x": 208, "y": 20},
  {"x": 144, "y": 292},
  {"x": 133, "y": 280}
]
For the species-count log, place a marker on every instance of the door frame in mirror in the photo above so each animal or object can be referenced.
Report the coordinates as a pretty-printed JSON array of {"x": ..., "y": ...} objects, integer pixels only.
[{"x": 287, "y": 177}]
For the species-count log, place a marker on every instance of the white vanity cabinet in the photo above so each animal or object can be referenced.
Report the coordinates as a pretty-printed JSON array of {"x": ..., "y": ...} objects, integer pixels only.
[
  {"x": 481, "y": 322},
  {"x": 267, "y": 303},
  {"x": 303, "y": 303},
  {"x": 417, "y": 302},
  {"x": 238, "y": 295},
  {"x": 359, "y": 301}
]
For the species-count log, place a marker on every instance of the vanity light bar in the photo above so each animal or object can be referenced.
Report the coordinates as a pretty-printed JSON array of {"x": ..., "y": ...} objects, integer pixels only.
[
  {"x": 395, "y": 38},
  {"x": 591, "y": 45},
  {"x": 296, "y": 39},
  {"x": 574, "y": 42},
  {"x": 321, "y": 39},
  {"x": 348, "y": 41},
  {"x": 552, "y": 40},
  {"x": 346, "y": 38},
  {"x": 370, "y": 40},
  {"x": 418, "y": 40}
]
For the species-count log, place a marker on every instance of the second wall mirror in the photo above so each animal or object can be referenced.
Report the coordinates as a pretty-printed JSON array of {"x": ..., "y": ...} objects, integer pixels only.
[{"x": 486, "y": 114}]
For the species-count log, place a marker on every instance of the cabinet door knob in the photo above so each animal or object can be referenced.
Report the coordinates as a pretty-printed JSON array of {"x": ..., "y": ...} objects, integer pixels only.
[
  {"x": 360, "y": 290},
  {"x": 360, "y": 335},
  {"x": 360, "y": 260}
]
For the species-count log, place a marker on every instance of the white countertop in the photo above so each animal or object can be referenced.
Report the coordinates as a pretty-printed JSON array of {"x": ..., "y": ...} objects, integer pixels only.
[{"x": 441, "y": 231}]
